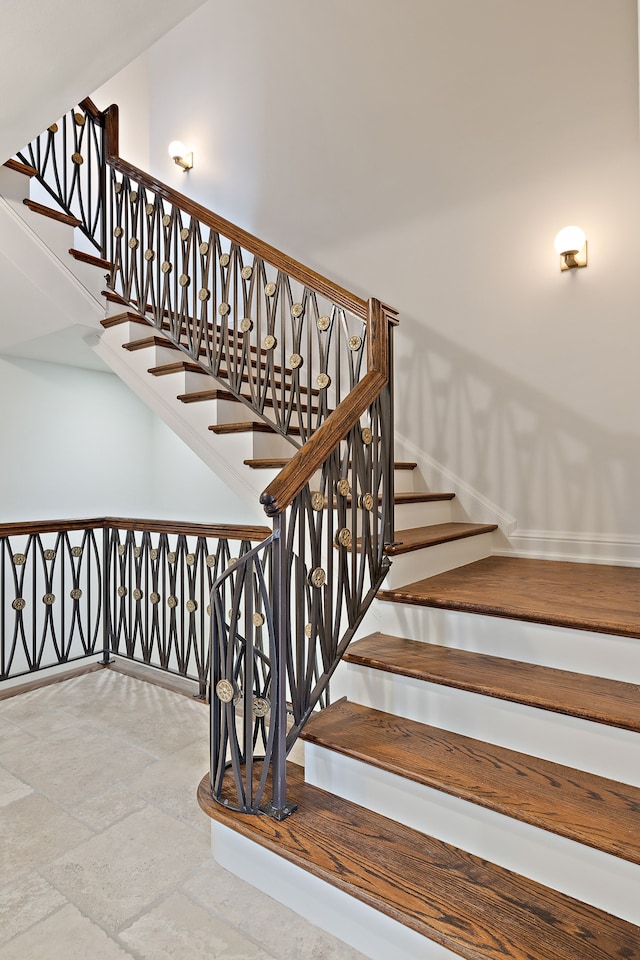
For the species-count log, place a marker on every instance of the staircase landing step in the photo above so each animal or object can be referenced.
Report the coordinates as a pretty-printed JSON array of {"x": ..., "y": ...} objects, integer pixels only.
[
  {"x": 468, "y": 905},
  {"x": 127, "y": 317},
  {"x": 52, "y": 214},
  {"x": 418, "y": 537},
  {"x": 582, "y": 596},
  {"x": 589, "y": 809},
  {"x": 611, "y": 702}
]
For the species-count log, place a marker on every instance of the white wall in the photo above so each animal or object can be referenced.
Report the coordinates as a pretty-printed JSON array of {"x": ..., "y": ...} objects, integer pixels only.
[
  {"x": 78, "y": 443},
  {"x": 426, "y": 153}
]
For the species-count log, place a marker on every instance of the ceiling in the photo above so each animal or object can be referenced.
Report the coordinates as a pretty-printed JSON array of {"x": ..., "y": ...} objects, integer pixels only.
[{"x": 52, "y": 55}]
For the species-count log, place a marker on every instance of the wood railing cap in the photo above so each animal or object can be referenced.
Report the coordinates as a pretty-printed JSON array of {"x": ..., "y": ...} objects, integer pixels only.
[{"x": 217, "y": 530}]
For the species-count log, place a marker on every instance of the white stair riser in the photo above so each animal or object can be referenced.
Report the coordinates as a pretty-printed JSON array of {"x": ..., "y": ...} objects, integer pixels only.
[
  {"x": 598, "y": 878},
  {"x": 564, "y": 648},
  {"x": 422, "y": 514},
  {"x": 14, "y": 187},
  {"x": 372, "y": 933},
  {"x": 572, "y": 741},
  {"x": 430, "y": 561}
]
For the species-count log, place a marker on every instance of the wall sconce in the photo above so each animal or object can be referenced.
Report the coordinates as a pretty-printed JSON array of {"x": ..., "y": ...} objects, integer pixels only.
[
  {"x": 571, "y": 244},
  {"x": 178, "y": 153}
]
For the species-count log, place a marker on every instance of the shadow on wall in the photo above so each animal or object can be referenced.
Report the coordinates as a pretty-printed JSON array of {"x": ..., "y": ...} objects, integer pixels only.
[{"x": 512, "y": 443}]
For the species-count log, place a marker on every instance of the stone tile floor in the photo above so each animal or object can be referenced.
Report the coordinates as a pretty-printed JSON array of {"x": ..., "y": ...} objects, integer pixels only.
[{"x": 104, "y": 852}]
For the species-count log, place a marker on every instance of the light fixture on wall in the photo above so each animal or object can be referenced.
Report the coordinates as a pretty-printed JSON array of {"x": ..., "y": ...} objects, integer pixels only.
[
  {"x": 179, "y": 154},
  {"x": 571, "y": 244}
]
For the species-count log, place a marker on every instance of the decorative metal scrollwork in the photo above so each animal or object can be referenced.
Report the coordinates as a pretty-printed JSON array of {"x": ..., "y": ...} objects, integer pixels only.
[
  {"x": 19, "y": 559},
  {"x": 258, "y": 620},
  {"x": 317, "y": 500},
  {"x": 76, "y": 551},
  {"x": 19, "y": 603},
  {"x": 260, "y": 707},
  {"x": 344, "y": 538},
  {"x": 270, "y": 289},
  {"x": 323, "y": 380},
  {"x": 122, "y": 592},
  {"x": 49, "y": 554},
  {"x": 317, "y": 577},
  {"x": 192, "y": 606},
  {"x": 49, "y": 599},
  {"x": 323, "y": 323},
  {"x": 225, "y": 691},
  {"x": 76, "y": 593},
  {"x": 224, "y": 260},
  {"x": 137, "y": 594}
]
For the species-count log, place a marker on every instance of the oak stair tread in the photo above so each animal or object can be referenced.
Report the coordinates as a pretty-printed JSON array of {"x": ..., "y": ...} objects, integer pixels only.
[
  {"x": 126, "y": 317},
  {"x": 276, "y": 463},
  {"x": 249, "y": 426},
  {"x": 582, "y": 596},
  {"x": 155, "y": 340},
  {"x": 200, "y": 396},
  {"x": 19, "y": 167},
  {"x": 470, "y": 906},
  {"x": 599, "y": 699},
  {"x": 416, "y": 538},
  {"x": 589, "y": 809},
  {"x": 52, "y": 214},
  {"x": 91, "y": 259},
  {"x": 178, "y": 366}
]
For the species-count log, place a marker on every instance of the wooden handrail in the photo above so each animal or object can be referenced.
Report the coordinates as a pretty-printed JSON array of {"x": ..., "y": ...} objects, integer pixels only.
[
  {"x": 89, "y": 107},
  {"x": 283, "y": 489},
  {"x": 218, "y": 530},
  {"x": 305, "y": 275}
]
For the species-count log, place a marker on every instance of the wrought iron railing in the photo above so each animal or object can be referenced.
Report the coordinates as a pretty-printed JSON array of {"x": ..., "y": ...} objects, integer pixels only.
[
  {"x": 137, "y": 589},
  {"x": 315, "y": 362},
  {"x": 69, "y": 158}
]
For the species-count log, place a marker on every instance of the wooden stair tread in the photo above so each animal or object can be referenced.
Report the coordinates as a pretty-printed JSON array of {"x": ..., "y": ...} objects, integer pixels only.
[
  {"x": 589, "y": 809},
  {"x": 249, "y": 426},
  {"x": 154, "y": 340},
  {"x": 52, "y": 214},
  {"x": 583, "y": 596},
  {"x": 179, "y": 366},
  {"x": 126, "y": 317},
  {"x": 599, "y": 699},
  {"x": 276, "y": 463},
  {"x": 417, "y": 537},
  {"x": 222, "y": 394},
  {"x": 19, "y": 167},
  {"x": 91, "y": 259},
  {"x": 468, "y": 905}
]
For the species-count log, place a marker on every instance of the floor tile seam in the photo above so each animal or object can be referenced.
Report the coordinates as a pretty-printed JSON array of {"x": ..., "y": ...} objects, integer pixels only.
[
  {"x": 51, "y": 913},
  {"x": 157, "y": 805},
  {"x": 83, "y": 913},
  {"x": 217, "y": 915},
  {"x": 103, "y": 728}
]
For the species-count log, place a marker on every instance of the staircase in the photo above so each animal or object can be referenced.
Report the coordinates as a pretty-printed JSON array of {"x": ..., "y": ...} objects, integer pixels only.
[{"x": 477, "y": 791}]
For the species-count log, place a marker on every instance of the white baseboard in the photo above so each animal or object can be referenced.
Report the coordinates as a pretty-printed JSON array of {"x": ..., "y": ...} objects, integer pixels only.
[{"x": 615, "y": 549}]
